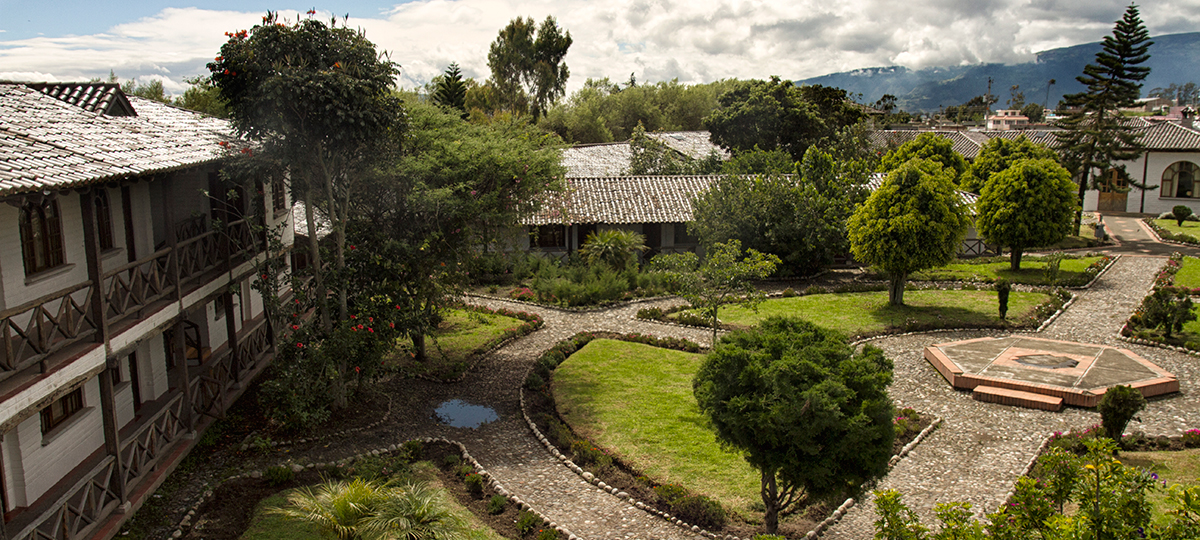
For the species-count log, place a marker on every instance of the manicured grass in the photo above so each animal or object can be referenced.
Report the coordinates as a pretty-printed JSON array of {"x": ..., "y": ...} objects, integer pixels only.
[
  {"x": 1179, "y": 467},
  {"x": 869, "y": 313},
  {"x": 1189, "y": 273},
  {"x": 268, "y": 526},
  {"x": 1070, "y": 271},
  {"x": 1191, "y": 228},
  {"x": 462, "y": 335},
  {"x": 637, "y": 400}
]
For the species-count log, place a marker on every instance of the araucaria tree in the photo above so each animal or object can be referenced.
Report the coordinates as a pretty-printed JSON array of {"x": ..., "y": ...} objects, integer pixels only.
[
  {"x": 451, "y": 91},
  {"x": 318, "y": 99},
  {"x": 1029, "y": 204},
  {"x": 813, "y": 417},
  {"x": 1095, "y": 136},
  {"x": 527, "y": 64},
  {"x": 914, "y": 221}
]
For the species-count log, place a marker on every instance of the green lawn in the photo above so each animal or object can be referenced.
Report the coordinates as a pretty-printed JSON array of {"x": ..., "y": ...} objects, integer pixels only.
[
  {"x": 1071, "y": 271},
  {"x": 636, "y": 401},
  {"x": 1189, "y": 273},
  {"x": 267, "y": 526},
  {"x": 1181, "y": 467},
  {"x": 869, "y": 312},
  {"x": 1191, "y": 228},
  {"x": 462, "y": 335}
]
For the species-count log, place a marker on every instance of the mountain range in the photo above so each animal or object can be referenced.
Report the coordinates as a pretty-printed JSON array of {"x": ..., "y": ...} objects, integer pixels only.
[{"x": 1172, "y": 61}]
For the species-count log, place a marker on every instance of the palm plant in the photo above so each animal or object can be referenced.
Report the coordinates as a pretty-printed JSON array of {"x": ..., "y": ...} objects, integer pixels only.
[
  {"x": 374, "y": 510},
  {"x": 338, "y": 506},
  {"x": 413, "y": 511},
  {"x": 614, "y": 247}
]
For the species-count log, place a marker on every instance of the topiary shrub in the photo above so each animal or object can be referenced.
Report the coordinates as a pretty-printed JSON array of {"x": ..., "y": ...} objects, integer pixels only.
[
  {"x": 1119, "y": 405},
  {"x": 497, "y": 504},
  {"x": 279, "y": 474},
  {"x": 1180, "y": 213}
]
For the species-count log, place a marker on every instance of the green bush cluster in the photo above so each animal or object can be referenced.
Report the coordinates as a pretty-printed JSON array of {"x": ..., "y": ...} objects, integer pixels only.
[
  {"x": 527, "y": 521},
  {"x": 279, "y": 475},
  {"x": 907, "y": 421},
  {"x": 652, "y": 314},
  {"x": 497, "y": 504},
  {"x": 789, "y": 293},
  {"x": 694, "y": 509},
  {"x": 547, "y": 534},
  {"x": 586, "y": 453},
  {"x": 578, "y": 283},
  {"x": 474, "y": 483}
]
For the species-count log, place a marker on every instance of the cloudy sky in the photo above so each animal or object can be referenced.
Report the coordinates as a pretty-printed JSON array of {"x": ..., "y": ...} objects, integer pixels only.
[{"x": 694, "y": 40}]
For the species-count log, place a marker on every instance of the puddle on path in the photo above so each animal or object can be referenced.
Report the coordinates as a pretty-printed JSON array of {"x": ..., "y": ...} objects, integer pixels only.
[{"x": 458, "y": 413}]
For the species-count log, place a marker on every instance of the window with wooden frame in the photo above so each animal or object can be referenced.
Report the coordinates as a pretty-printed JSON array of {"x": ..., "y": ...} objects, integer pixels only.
[
  {"x": 103, "y": 219},
  {"x": 278, "y": 194},
  {"x": 1113, "y": 182},
  {"x": 41, "y": 236},
  {"x": 62, "y": 409},
  {"x": 1179, "y": 180}
]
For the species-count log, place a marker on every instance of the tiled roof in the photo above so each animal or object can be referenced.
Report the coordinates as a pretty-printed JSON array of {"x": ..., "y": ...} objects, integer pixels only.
[
  {"x": 48, "y": 144},
  {"x": 623, "y": 199},
  {"x": 612, "y": 159},
  {"x": 100, "y": 98},
  {"x": 1169, "y": 136},
  {"x": 594, "y": 160},
  {"x": 693, "y": 144},
  {"x": 1044, "y": 137},
  {"x": 966, "y": 143}
]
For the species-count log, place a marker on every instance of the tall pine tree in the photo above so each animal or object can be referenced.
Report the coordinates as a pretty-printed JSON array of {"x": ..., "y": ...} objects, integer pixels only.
[
  {"x": 451, "y": 91},
  {"x": 1096, "y": 136}
]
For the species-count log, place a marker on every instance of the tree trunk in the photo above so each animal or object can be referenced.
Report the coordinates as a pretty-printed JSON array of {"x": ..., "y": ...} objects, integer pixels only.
[
  {"x": 314, "y": 253},
  {"x": 1015, "y": 258},
  {"x": 896, "y": 289},
  {"x": 419, "y": 347},
  {"x": 714, "y": 327},
  {"x": 770, "y": 497}
]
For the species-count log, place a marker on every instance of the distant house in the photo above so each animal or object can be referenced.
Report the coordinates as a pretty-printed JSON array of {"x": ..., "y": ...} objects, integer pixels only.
[
  {"x": 129, "y": 321},
  {"x": 1007, "y": 119}
]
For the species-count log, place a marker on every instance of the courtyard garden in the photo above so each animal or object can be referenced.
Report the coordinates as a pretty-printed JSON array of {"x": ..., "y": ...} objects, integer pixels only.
[{"x": 464, "y": 333}]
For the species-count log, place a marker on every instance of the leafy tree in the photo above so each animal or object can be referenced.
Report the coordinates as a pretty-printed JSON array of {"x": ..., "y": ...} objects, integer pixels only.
[
  {"x": 799, "y": 218},
  {"x": 653, "y": 157},
  {"x": 999, "y": 154},
  {"x": 765, "y": 114},
  {"x": 723, "y": 277},
  {"x": 527, "y": 63},
  {"x": 813, "y": 417},
  {"x": 616, "y": 248},
  {"x": 1095, "y": 137},
  {"x": 1180, "y": 94},
  {"x": 319, "y": 100},
  {"x": 419, "y": 220},
  {"x": 603, "y": 111},
  {"x": 1034, "y": 112},
  {"x": 451, "y": 91},
  {"x": 1016, "y": 98},
  {"x": 758, "y": 161},
  {"x": 201, "y": 96},
  {"x": 152, "y": 90},
  {"x": 930, "y": 146},
  {"x": 1029, "y": 204},
  {"x": 973, "y": 110},
  {"x": 915, "y": 220}
]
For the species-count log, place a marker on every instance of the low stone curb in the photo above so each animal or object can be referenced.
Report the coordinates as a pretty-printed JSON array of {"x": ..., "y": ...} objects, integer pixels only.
[
  {"x": 596, "y": 309},
  {"x": 274, "y": 444},
  {"x": 186, "y": 524},
  {"x": 1157, "y": 345},
  {"x": 1160, "y": 239},
  {"x": 840, "y": 512}
]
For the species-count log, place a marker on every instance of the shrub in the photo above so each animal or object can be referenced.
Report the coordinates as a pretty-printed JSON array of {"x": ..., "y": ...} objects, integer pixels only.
[
  {"x": 699, "y": 510},
  {"x": 411, "y": 451},
  {"x": 553, "y": 358},
  {"x": 815, "y": 289},
  {"x": 547, "y": 534},
  {"x": 1051, "y": 270},
  {"x": 650, "y": 313},
  {"x": 669, "y": 493},
  {"x": 1180, "y": 213},
  {"x": 527, "y": 522},
  {"x": 464, "y": 471},
  {"x": 587, "y": 454},
  {"x": 691, "y": 319},
  {"x": 534, "y": 382},
  {"x": 1191, "y": 438},
  {"x": 375, "y": 467},
  {"x": 560, "y": 434},
  {"x": 1119, "y": 405},
  {"x": 1003, "y": 288},
  {"x": 567, "y": 347},
  {"x": 1168, "y": 309},
  {"x": 279, "y": 474},
  {"x": 451, "y": 461},
  {"x": 497, "y": 504},
  {"x": 523, "y": 294},
  {"x": 789, "y": 292},
  {"x": 474, "y": 483}
]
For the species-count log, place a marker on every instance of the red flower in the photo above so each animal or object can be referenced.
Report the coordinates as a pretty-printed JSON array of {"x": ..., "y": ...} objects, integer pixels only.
[
  {"x": 392, "y": 324},
  {"x": 357, "y": 369},
  {"x": 295, "y": 327},
  {"x": 312, "y": 11},
  {"x": 299, "y": 345},
  {"x": 371, "y": 330}
]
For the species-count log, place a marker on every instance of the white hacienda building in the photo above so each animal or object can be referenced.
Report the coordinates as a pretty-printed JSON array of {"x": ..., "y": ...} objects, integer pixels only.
[{"x": 127, "y": 318}]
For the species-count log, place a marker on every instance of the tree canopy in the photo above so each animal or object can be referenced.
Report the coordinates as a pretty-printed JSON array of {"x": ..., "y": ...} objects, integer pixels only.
[
  {"x": 650, "y": 156},
  {"x": 1028, "y": 204},
  {"x": 915, "y": 220},
  {"x": 527, "y": 64},
  {"x": 1095, "y": 137},
  {"x": 999, "y": 154},
  {"x": 768, "y": 115},
  {"x": 724, "y": 275},
  {"x": 930, "y": 146},
  {"x": 813, "y": 417},
  {"x": 603, "y": 111}
]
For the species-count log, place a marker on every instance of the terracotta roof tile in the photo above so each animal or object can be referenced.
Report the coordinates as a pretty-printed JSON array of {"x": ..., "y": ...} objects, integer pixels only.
[{"x": 623, "y": 199}]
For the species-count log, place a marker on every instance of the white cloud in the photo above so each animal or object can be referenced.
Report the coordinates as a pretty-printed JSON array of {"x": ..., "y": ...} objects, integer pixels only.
[{"x": 696, "y": 41}]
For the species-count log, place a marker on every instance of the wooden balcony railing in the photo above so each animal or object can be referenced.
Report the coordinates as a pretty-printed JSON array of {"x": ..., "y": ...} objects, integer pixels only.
[
  {"x": 145, "y": 447},
  {"x": 138, "y": 284},
  {"x": 39, "y": 328},
  {"x": 77, "y": 512},
  {"x": 213, "y": 379}
]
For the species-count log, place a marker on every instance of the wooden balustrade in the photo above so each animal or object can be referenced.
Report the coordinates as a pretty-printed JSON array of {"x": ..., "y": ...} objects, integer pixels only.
[
  {"x": 252, "y": 348},
  {"x": 41, "y": 327},
  {"x": 133, "y": 286},
  {"x": 77, "y": 512},
  {"x": 145, "y": 447}
]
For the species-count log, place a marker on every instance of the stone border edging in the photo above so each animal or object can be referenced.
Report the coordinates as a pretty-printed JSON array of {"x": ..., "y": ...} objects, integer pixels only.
[
  {"x": 840, "y": 512},
  {"x": 479, "y": 357},
  {"x": 185, "y": 523},
  {"x": 1150, "y": 343},
  {"x": 275, "y": 444},
  {"x": 596, "y": 309}
]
